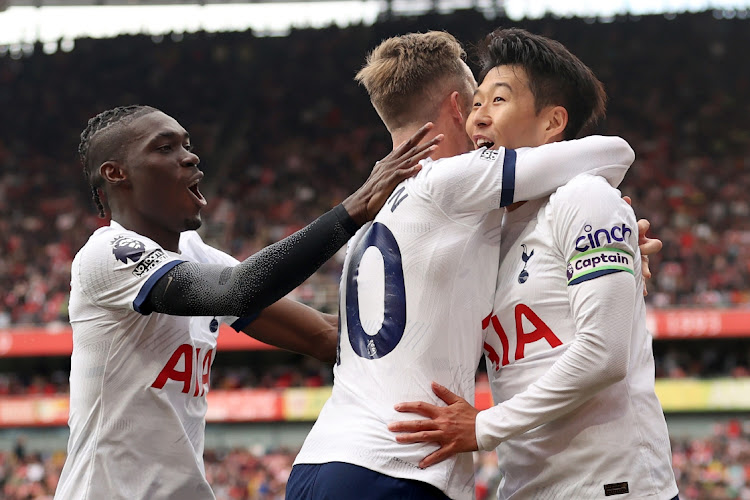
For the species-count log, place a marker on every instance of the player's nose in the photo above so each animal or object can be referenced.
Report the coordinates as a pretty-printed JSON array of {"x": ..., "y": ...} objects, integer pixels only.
[
  {"x": 190, "y": 160},
  {"x": 480, "y": 117}
]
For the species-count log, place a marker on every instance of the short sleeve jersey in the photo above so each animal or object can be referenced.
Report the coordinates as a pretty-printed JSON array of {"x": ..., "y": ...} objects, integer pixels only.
[
  {"x": 615, "y": 443},
  {"x": 138, "y": 381}
]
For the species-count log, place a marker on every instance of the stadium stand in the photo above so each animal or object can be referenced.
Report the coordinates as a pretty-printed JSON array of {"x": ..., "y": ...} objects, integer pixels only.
[{"x": 284, "y": 134}]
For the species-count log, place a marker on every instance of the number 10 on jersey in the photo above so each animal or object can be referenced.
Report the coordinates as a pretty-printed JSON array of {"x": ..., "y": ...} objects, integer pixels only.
[{"x": 394, "y": 298}]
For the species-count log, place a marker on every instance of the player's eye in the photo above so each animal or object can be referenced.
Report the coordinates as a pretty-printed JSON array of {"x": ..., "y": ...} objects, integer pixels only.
[
  {"x": 498, "y": 99},
  {"x": 166, "y": 148}
]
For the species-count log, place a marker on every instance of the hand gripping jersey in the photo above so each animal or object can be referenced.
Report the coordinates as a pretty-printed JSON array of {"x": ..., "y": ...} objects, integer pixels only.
[
  {"x": 138, "y": 383},
  {"x": 569, "y": 357},
  {"x": 416, "y": 283}
]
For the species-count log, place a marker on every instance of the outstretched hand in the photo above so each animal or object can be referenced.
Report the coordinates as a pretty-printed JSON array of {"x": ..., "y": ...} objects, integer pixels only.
[
  {"x": 401, "y": 163},
  {"x": 648, "y": 246},
  {"x": 451, "y": 427}
]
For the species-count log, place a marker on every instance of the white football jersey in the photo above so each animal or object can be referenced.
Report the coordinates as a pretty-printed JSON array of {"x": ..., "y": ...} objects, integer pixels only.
[
  {"x": 416, "y": 283},
  {"x": 569, "y": 322},
  {"x": 138, "y": 382}
]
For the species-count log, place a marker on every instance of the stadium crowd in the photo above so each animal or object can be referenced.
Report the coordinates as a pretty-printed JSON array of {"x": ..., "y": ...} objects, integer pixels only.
[
  {"x": 276, "y": 155},
  {"x": 284, "y": 134},
  {"x": 716, "y": 467}
]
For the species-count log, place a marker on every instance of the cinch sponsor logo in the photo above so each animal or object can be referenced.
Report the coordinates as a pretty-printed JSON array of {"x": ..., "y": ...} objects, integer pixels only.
[
  {"x": 149, "y": 262},
  {"x": 595, "y": 239},
  {"x": 598, "y": 262}
]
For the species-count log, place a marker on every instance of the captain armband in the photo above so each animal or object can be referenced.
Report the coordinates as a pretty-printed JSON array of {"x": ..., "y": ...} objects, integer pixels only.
[{"x": 599, "y": 262}]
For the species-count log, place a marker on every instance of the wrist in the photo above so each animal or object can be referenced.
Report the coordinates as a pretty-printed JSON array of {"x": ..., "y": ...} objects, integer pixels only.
[
  {"x": 347, "y": 219},
  {"x": 352, "y": 215}
]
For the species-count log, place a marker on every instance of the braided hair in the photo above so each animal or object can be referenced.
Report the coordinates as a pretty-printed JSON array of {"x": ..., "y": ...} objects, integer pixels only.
[{"x": 97, "y": 143}]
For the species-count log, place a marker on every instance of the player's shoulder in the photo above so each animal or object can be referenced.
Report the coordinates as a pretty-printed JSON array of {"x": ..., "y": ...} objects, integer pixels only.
[
  {"x": 469, "y": 158},
  {"x": 117, "y": 241},
  {"x": 585, "y": 190},
  {"x": 193, "y": 248},
  {"x": 449, "y": 173},
  {"x": 191, "y": 239}
]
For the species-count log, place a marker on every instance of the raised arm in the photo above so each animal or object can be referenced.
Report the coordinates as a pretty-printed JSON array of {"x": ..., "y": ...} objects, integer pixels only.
[
  {"x": 538, "y": 172},
  {"x": 475, "y": 183},
  {"x": 191, "y": 289}
]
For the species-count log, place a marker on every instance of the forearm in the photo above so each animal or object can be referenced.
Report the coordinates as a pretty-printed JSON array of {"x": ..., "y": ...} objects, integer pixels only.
[
  {"x": 540, "y": 171},
  {"x": 596, "y": 359},
  {"x": 296, "y": 327},
  {"x": 191, "y": 289}
]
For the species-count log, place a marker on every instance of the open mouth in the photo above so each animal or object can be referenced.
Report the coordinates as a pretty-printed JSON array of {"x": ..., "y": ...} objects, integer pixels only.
[
  {"x": 193, "y": 188},
  {"x": 485, "y": 143}
]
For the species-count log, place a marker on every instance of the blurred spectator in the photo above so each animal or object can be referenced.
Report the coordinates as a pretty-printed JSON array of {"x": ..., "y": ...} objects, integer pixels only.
[
  {"x": 284, "y": 134},
  {"x": 715, "y": 467}
]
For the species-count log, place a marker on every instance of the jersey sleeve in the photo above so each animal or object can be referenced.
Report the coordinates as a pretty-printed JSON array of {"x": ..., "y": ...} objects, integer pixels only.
[
  {"x": 595, "y": 229},
  {"x": 541, "y": 171},
  {"x": 207, "y": 254},
  {"x": 595, "y": 233},
  {"x": 118, "y": 269},
  {"x": 486, "y": 179}
]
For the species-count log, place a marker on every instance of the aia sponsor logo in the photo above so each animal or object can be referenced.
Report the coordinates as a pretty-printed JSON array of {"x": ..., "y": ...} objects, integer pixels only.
[
  {"x": 189, "y": 367},
  {"x": 125, "y": 248},
  {"x": 515, "y": 345}
]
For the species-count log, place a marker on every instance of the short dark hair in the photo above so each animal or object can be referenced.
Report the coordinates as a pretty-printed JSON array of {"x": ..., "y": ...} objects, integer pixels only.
[
  {"x": 556, "y": 77},
  {"x": 99, "y": 141}
]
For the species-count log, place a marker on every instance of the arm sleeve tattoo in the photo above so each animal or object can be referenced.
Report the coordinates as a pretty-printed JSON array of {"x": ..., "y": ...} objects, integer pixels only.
[{"x": 191, "y": 289}]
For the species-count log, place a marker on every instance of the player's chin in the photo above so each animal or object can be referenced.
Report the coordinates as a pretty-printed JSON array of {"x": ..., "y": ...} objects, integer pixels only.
[{"x": 193, "y": 223}]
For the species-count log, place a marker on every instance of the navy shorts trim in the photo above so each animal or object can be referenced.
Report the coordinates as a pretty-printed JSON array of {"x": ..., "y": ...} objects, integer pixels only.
[{"x": 342, "y": 481}]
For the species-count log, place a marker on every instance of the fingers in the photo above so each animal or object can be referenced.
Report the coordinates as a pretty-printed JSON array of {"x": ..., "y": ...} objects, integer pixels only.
[
  {"x": 412, "y": 426},
  {"x": 436, "y": 457},
  {"x": 414, "y": 154},
  {"x": 628, "y": 200},
  {"x": 643, "y": 227},
  {"x": 420, "y": 437},
  {"x": 421, "y": 152},
  {"x": 444, "y": 394},
  {"x": 644, "y": 267},
  {"x": 414, "y": 139},
  {"x": 650, "y": 246},
  {"x": 418, "y": 407}
]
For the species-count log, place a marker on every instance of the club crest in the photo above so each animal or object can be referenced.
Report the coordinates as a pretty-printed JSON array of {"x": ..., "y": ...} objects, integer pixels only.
[{"x": 524, "y": 275}]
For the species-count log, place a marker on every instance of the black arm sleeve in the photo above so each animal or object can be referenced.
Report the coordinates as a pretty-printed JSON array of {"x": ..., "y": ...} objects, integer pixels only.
[{"x": 191, "y": 289}]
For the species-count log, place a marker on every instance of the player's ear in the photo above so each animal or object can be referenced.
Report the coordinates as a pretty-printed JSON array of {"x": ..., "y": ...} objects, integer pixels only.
[
  {"x": 556, "y": 121},
  {"x": 457, "y": 107},
  {"x": 113, "y": 172}
]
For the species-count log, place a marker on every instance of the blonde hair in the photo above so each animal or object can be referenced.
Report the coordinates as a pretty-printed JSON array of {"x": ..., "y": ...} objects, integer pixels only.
[{"x": 408, "y": 76}]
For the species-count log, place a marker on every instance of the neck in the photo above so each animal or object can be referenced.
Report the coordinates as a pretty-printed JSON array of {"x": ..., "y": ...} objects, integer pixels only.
[
  {"x": 455, "y": 142},
  {"x": 167, "y": 239}
]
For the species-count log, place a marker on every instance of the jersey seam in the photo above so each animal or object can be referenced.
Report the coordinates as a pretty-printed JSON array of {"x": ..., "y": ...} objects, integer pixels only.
[
  {"x": 84, "y": 289},
  {"x": 98, "y": 424},
  {"x": 434, "y": 202}
]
